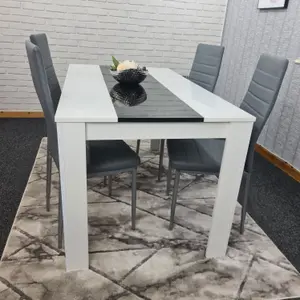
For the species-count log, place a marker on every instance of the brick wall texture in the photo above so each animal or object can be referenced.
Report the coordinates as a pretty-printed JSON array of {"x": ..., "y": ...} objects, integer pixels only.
[{"x": 162, "y": 33}]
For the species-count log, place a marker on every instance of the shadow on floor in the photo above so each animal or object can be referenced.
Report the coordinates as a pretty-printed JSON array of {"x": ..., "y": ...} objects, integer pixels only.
[{"x": 275, "y": 197}]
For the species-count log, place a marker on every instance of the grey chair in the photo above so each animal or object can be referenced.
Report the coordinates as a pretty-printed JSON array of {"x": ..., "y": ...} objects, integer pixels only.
[
  {"x": 206, "y": 66},
  {"x": 205, "y": 155},
  {"x": 40, "y": 40},
  {"x": 205, "y": 72},
  {"x": 104, "y": 157}
]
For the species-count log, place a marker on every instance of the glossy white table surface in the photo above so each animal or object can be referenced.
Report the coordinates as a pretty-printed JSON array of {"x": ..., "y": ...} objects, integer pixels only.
[{"x": 86, "y": 112}]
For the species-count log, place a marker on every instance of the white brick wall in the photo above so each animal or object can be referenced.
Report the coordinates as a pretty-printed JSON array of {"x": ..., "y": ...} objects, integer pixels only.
[{"x": 154, "y": 33}]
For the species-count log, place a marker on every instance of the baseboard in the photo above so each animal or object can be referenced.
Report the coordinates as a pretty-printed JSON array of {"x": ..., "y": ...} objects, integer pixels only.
[
  {"x": 278, "y": 162},
  {"x": 21, "y": 114}
]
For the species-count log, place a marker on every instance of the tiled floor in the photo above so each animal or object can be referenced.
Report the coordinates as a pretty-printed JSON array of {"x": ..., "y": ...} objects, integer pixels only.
[{"x": 148, "y": 263}]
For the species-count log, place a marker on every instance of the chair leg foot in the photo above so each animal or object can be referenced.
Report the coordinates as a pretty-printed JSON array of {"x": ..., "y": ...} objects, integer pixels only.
[
  {"x": 245, "y": 204},
  {"x": 48, "y": 180},
  {"x": 161, "y": 157},
  {"x": 133, "y": 204},
  {"x": 174, "y": 199}
]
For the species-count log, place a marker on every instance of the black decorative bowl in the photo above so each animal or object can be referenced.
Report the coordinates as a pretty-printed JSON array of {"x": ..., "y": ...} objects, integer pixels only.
[
  {"x": 128, "y": 95},
  {"x": 130, "y": 76}
]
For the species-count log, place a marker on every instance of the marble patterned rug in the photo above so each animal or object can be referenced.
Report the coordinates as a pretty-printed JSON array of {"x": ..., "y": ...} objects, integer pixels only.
[{"x": 148, "y": 263}]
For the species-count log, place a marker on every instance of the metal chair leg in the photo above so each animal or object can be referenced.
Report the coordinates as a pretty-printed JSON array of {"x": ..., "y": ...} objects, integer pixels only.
[
  {"x": 48, "y": 180},
  {"x": 174, "y": 199},
  {"x": 161, "y": 157},
  {"x": 133, "y": 204},
  {"x": 105, "y": 181},
  {"x": 109, "y": 185},
  {"x": 169, "y": 178},
  {"x": 245, "y": 203},
  {"x": 138, "y": 145},
  {"x": 60, "y": 221}
]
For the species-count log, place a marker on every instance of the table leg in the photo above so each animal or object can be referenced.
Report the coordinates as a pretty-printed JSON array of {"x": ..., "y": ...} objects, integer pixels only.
[
  {"x": 72, "y": 161},
  {"x": 234, "y": 156}
]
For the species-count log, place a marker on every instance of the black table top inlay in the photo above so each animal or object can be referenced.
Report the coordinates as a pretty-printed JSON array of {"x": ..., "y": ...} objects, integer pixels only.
[{"x": 149, "y": 101}]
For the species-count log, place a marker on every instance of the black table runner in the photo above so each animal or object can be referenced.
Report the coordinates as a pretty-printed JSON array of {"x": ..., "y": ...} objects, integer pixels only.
[{"x": 148, "y": 102}]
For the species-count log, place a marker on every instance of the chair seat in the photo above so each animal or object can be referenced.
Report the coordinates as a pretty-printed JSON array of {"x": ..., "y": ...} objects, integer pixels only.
[
  {"x": 110, "y": 156},
  {"x": 204, "y": 155}
]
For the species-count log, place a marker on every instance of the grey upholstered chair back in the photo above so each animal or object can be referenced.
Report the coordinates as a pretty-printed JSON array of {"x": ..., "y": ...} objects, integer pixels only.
[
  {"x": 40, "y": 82},
  {"x": 206, "y": 66},
  {"x": 262, "y": 94},
  {"x": 41, "y": 41}
]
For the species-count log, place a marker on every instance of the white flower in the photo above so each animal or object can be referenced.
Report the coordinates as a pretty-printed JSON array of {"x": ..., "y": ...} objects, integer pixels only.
[
  {"x": 127, "y": 64},
  {"x": 121, "y": 67}
]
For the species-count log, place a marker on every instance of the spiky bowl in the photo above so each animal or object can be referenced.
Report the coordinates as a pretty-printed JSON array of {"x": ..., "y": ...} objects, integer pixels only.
[{"x": 130, "y": 76}]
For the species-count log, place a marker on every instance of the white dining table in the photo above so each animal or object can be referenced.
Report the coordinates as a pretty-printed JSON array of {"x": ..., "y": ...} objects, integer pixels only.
[{"x": 179, "y": 110}]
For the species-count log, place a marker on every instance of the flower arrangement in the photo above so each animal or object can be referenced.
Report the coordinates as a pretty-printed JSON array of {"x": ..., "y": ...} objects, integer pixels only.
[
  {"x": 128, "y": 71},
  {"x": 125, "y": 65}
]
